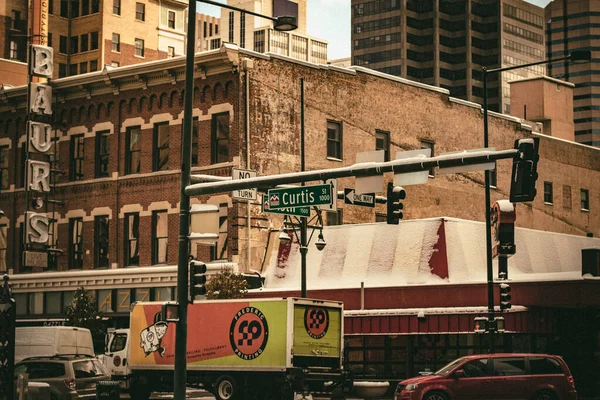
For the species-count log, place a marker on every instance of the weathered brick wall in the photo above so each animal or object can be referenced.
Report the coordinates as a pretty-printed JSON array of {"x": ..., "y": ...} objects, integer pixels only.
[
  {"x": 364, "y": 103},
  {"x": 142, "y": 192},
  {"x": 361, "y": 102}
]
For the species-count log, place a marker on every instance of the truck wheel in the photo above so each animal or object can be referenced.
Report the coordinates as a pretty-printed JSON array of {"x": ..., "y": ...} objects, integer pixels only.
[{"x": 226, "y": 388}]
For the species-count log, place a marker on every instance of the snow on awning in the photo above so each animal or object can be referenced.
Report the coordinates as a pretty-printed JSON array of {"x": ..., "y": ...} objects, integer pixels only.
[{"x": 433, "y": 251}]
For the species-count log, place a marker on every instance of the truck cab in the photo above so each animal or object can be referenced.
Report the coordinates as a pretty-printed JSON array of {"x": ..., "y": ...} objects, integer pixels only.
[{"x": 116, "y": 358}]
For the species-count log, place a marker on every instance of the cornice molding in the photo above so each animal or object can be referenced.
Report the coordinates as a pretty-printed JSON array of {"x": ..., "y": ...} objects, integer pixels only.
[{"x": 134, "y": 77}]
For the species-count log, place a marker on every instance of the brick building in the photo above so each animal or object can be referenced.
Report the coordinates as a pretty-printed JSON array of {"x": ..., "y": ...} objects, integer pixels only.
[
  {"x": 88, "y": 34},
  {"x": 118, "y": 144}
]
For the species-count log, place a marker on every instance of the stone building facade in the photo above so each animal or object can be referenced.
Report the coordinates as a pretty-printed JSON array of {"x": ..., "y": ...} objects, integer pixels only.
[{"x": 118, "y": 145}]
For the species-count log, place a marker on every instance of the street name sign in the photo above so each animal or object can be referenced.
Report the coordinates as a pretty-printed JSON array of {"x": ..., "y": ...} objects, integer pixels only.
[
  {"x": 244, "y": 194},
  {"x": 367, "y": 199},
  {"x": 301, "y": 196},
  {"x": 297, "y": 211}
]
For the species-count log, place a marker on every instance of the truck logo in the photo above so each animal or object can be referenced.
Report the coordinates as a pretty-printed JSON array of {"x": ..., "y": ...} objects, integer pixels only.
[
  {"x": 151, "y": 337},
  {"x": 316, "y": 322},
  {"x": 249, "y": 333}
]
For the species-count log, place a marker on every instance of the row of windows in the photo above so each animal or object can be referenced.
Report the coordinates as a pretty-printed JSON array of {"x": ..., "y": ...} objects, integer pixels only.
[
  {"x": 377, "y": 24},
  {"x": 584, "y": 196},
  {"x": 378, "y": 40},
  {"x": 133, "y": 150},
  {"x": 74, "y": 69},
  {"x": 109, "y": 300},
  {"x": 371, "y": 58},
  {"x": 77, "y": 44},
  {"x": 139, "y": 46},
  {"x": 376, "y": 7},
  {"x": 76, "y": 8},
  {"x": 208, "y": 29},
  {"x": 523, "y": 16},
  {"x": 536, "y": 69},
  {"x": 523, "y": 49},
  {"x": 523, "y": 33}
]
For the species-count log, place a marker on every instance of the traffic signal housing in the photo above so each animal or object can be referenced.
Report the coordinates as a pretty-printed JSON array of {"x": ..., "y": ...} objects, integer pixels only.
[
  {"x": 197, "y": 278},
  {"x": 505, "y": 297},
  {"x": 524, "y": 172},
  {"x": 395, "y": 195}
]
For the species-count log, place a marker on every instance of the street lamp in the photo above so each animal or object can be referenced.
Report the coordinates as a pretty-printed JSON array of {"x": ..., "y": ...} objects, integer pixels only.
[
  {"x": 285, "y": 23},
  {"x": 580, "y": 56},
  {"x": 303, "y": 224},
  {"x": 281, "y": 23}
]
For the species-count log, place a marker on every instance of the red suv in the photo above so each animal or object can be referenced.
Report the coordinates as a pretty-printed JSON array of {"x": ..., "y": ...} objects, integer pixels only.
[{"x": 494, "y": 376}]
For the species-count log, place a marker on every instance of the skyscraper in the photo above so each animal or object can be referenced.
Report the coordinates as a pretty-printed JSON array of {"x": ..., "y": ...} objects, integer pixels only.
[
  {"x": 447, "y": 42},
  {"x": 572, "y": 25}
]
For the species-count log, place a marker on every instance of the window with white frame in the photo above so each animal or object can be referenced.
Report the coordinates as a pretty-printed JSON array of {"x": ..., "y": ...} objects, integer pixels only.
[
  {"x": 585, "y": 199},
  {"x": 132, "y": 237},
  {"x": 382, "y": 142},
  {"x": 139, "y": 47},
  {"x": 160, "y": 236},
  {"x": 548, "y": 195},
  {"x": 116, "y": 42},
  {"x": 140, "y": 11},
  {"x": 171, "y": 19},
  {"x": 334, "y": 139},
  {"x": 101, "y": 241},
  {"x": 76, "y": 243}
]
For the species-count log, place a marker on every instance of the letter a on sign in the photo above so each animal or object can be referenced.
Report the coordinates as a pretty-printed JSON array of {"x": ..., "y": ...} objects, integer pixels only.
[
  {"x": 41, "y": 61},
  {"x": 40, "y": 99}
]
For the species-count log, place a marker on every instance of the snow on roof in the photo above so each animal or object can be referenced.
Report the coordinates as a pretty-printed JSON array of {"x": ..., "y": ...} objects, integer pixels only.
[{"x": 422, "y": 252}]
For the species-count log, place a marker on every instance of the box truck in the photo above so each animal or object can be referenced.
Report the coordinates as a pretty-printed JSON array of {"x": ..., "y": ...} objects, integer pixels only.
[
  {"x": 241, "y": 349},
  {"x": 39, "y": 341}
]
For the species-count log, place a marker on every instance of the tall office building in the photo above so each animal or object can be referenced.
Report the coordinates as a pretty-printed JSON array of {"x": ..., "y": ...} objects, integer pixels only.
[
  {"x": 206, "y": 26},
  {"x": 447, "y": 42},
  {"x": 88, "y": 34},
  {"x": 255, "y": 33},
  {"x": 573, "y": 25}
]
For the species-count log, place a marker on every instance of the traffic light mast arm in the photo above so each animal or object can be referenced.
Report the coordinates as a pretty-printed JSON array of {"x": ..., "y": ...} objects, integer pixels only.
[{"x": 362, "y": 169}]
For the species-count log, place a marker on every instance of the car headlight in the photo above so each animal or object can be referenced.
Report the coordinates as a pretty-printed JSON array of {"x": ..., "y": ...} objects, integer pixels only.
[{"x": 412, "y": 386}]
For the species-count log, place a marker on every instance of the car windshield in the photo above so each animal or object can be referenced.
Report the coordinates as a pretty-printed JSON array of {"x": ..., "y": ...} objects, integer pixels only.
[
  {"x": 118, "y": 343},
  {"x": 41, "y": 370},
  {"x": 449, "y": 367}
]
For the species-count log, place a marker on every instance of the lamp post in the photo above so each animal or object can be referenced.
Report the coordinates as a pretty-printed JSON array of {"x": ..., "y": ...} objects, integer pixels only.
[
  {"x": 580, "y": 56},
  {"x": 283, "y": 23}
]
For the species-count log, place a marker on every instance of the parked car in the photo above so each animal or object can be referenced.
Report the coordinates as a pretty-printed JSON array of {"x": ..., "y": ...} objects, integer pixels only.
[
  {"x": 69, "y": 376},
  {"x": 494, "y": 376}
]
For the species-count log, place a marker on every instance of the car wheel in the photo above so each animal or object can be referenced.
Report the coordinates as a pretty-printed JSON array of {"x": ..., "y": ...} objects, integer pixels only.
[
  {"x": 435, "y": 396},
  {"x": 225, "y": 388},
  {"x": 544, "y": 396}
]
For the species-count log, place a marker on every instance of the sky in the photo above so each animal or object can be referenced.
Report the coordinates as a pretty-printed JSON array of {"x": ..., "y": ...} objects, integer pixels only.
[{"x": 329, "y": 20}]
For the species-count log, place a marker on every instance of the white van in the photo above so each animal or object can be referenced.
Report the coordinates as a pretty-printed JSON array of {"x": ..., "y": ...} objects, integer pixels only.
[
  {"x": 116, "y": 357},
  {"x": 36, "y": 341}
]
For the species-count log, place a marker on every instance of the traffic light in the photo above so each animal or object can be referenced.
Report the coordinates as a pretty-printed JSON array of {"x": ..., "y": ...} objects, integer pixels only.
[
  {"x": 197, "y": 278},
  {"x": 394, "y": 204},
  {"x": 524, "y": 172},
  {"x": 505, "y": 296},
  {"x": 481, "y": 324}
]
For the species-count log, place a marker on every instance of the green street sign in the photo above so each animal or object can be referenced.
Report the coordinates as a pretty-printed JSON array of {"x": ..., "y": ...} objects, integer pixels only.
[
  {"x": 297, "y": 211},
  {"x": 301, "y": 196}
]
